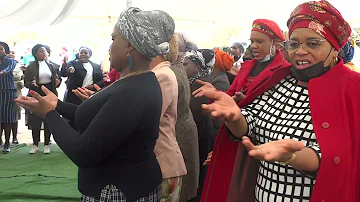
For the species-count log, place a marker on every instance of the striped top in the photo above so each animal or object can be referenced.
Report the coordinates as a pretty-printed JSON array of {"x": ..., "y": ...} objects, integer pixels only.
[{"x": 7, "y": 80}]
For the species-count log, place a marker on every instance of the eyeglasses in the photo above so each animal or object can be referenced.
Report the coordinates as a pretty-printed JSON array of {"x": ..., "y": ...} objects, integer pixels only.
[{"x": 293, "y": 46}]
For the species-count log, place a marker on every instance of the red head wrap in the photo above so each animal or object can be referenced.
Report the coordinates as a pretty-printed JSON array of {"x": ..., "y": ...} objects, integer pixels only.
[
  {"x": 269, "y": 28},
  {"x": 324, "y": 19},
  {"x": 223, "y": 60}
]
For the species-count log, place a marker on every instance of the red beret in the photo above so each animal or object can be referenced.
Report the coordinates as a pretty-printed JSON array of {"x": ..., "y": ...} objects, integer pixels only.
[
  {"x": 223, "y": 60},
  {"x": 269, "y": 28},
  {"x": 324, "y": 19}
]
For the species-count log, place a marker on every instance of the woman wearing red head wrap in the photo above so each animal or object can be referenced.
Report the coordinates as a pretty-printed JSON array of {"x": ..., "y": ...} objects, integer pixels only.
[
  {"x": 265, "y": 36},
  {"x": 303, "y": 156}
]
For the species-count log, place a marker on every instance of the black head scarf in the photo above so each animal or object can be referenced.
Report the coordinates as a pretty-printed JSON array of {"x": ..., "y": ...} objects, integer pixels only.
[
  {"x": 35, "y": 49},
  {"x": 6, "y": 47}
]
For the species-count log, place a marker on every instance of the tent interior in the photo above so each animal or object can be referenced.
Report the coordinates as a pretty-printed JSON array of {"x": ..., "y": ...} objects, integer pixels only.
[{"x": 210, "y": 23}]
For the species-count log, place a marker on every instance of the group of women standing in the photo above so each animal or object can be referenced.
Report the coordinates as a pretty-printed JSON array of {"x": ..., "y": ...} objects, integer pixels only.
[{"x": 289, "y": 132}]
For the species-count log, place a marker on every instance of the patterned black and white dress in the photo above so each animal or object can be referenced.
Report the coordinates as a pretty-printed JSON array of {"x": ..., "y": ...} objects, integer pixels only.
[
  {"x": 283, "y": 112},
  {"x": 111, "y": 194}
]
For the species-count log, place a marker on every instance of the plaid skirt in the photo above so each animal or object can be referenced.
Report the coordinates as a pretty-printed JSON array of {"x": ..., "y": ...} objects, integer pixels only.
[{"x": 111, "y": 194}]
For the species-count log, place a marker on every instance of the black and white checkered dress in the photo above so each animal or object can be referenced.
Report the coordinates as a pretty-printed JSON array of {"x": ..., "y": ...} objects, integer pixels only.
[
  {"x": 111, "y": 194},
  {"x": 283, "y": 112}
]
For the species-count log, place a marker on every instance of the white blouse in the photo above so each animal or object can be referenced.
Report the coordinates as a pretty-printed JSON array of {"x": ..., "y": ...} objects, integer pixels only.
[
  {"x": 88, "y": 80},
  {"x": 44, "y": 73}
]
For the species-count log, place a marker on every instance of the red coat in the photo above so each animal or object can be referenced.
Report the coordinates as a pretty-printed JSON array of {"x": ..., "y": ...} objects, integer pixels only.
[
  {"x": 227, "y": 153},
  {"x": 334, "y": 104}
]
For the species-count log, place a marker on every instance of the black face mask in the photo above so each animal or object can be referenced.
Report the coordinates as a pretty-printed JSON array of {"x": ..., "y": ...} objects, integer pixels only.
[
  {"x": 311, "y": 72},
  {"x": 245, "y": 59}
]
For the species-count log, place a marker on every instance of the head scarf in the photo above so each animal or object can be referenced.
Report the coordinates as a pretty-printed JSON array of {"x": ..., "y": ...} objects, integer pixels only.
[
  {"x": 240, "y": 47},
  {"x": 223, "y": 60},
  {"x": 35, "y": 49},
  {"x": 48, "y": 49},
  {"x": 87, "y": 48},
  {"x": 173, "y": 53},
  {"x": 269, "y": 28},
  {"x": 205, "y": 58},
  {"x": 347, "y": 52},
  {"x": 324, "y": 19},
  {"x": 250, "y": 51},
  {"x": 149, "y": 32},
  {"x": 6, "y": 47}
]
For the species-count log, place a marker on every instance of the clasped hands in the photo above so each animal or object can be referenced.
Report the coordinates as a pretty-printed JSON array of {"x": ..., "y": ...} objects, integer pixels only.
[{"x": 225, "y": 108}]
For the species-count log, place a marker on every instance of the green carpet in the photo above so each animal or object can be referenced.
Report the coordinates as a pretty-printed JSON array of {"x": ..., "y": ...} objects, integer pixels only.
[{"x": 38, "y": 177}]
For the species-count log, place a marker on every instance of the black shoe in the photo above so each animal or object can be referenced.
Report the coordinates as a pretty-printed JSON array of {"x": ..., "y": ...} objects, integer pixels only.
[
  {"x": 15, "y": 141},
  {"x": 6, "y": 149}
]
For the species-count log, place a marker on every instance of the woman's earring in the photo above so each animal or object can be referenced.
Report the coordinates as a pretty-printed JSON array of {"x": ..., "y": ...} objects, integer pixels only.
[{"x": 128, "y": 61}]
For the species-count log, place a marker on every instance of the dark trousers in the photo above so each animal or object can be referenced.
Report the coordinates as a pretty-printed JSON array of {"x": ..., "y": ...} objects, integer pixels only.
[{"x": 36, "y": 134}]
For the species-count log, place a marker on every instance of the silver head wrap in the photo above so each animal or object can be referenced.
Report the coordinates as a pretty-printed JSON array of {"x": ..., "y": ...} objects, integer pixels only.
[{"x": 149, "y": 32}]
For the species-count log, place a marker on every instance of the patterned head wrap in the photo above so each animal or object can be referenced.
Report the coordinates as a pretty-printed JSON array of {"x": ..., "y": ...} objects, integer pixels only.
[
  {"x": 149, "y": 32},
  {"x": 223, "y": 60},
  {"x": 205, "y": 58},
  {"x": 324, "y": 19},
  {"x": 6, "y": 47},
  {"x": 87, "y": 48},
  {"x": 269, "y": 28},
  {"x": 347, "y": 52}
]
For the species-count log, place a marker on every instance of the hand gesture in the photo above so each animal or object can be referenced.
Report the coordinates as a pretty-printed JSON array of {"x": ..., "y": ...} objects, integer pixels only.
[
  {"x": 238, "y": 97},
  {"x": 34, "y": 82},
  {"x": 106, "y": 78},
  {"x": 38, "y": 104},
  {"x": 223, "y": 107},
  {"x": 84, "y": 93},
  {"x": 279, "y": 150},
  {"x": 206, "y": 87},
  {"x": 71, "y": 70},
  {"x": 2, "y": 72},
  {"x": 208, "y": 160}
]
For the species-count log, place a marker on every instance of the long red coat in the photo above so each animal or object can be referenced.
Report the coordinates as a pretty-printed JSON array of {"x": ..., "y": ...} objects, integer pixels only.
[{"x": 335, "y": 109}]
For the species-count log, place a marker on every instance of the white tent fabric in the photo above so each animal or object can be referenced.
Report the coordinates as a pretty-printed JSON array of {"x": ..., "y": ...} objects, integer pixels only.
[
  {"x": 19, "y": 13},
  {"x": 231, "y": 12}
]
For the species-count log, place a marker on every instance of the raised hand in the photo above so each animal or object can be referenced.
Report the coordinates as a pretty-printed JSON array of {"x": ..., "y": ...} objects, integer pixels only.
[
  {"x": 238, "y": 97},
  {"x": 34, "y": 82},
  {"x": 223, "y": 107},
  {"x": 38, "y": 104},
  {"x": 274, "y": 151},
  {"x": 208, "y": 160},
  {"x": 206, "y": 87}
]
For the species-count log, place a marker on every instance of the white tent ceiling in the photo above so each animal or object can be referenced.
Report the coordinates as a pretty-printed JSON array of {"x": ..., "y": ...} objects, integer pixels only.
[
  {"x": 234, "y": 12},
  {"x": 204, "y": 19}
]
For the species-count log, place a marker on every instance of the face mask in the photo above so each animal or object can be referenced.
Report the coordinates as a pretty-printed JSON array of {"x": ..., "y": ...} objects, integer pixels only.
[
  {"x": 272, "y": 53},
  {"x": 2, "y": 56},
  {"x": 267, "y": 58},
  {"x": 311, "y": 72}
]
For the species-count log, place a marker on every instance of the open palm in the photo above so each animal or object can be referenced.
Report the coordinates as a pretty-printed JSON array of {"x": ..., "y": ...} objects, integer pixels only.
[
  {"x": 279, "y": 150},
  {"x": 223, "y": 106},
  {"x": 206, "y": 87}
]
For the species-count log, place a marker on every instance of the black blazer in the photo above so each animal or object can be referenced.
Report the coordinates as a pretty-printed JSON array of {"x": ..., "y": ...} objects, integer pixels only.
[{"x": 76, "y": 79}]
